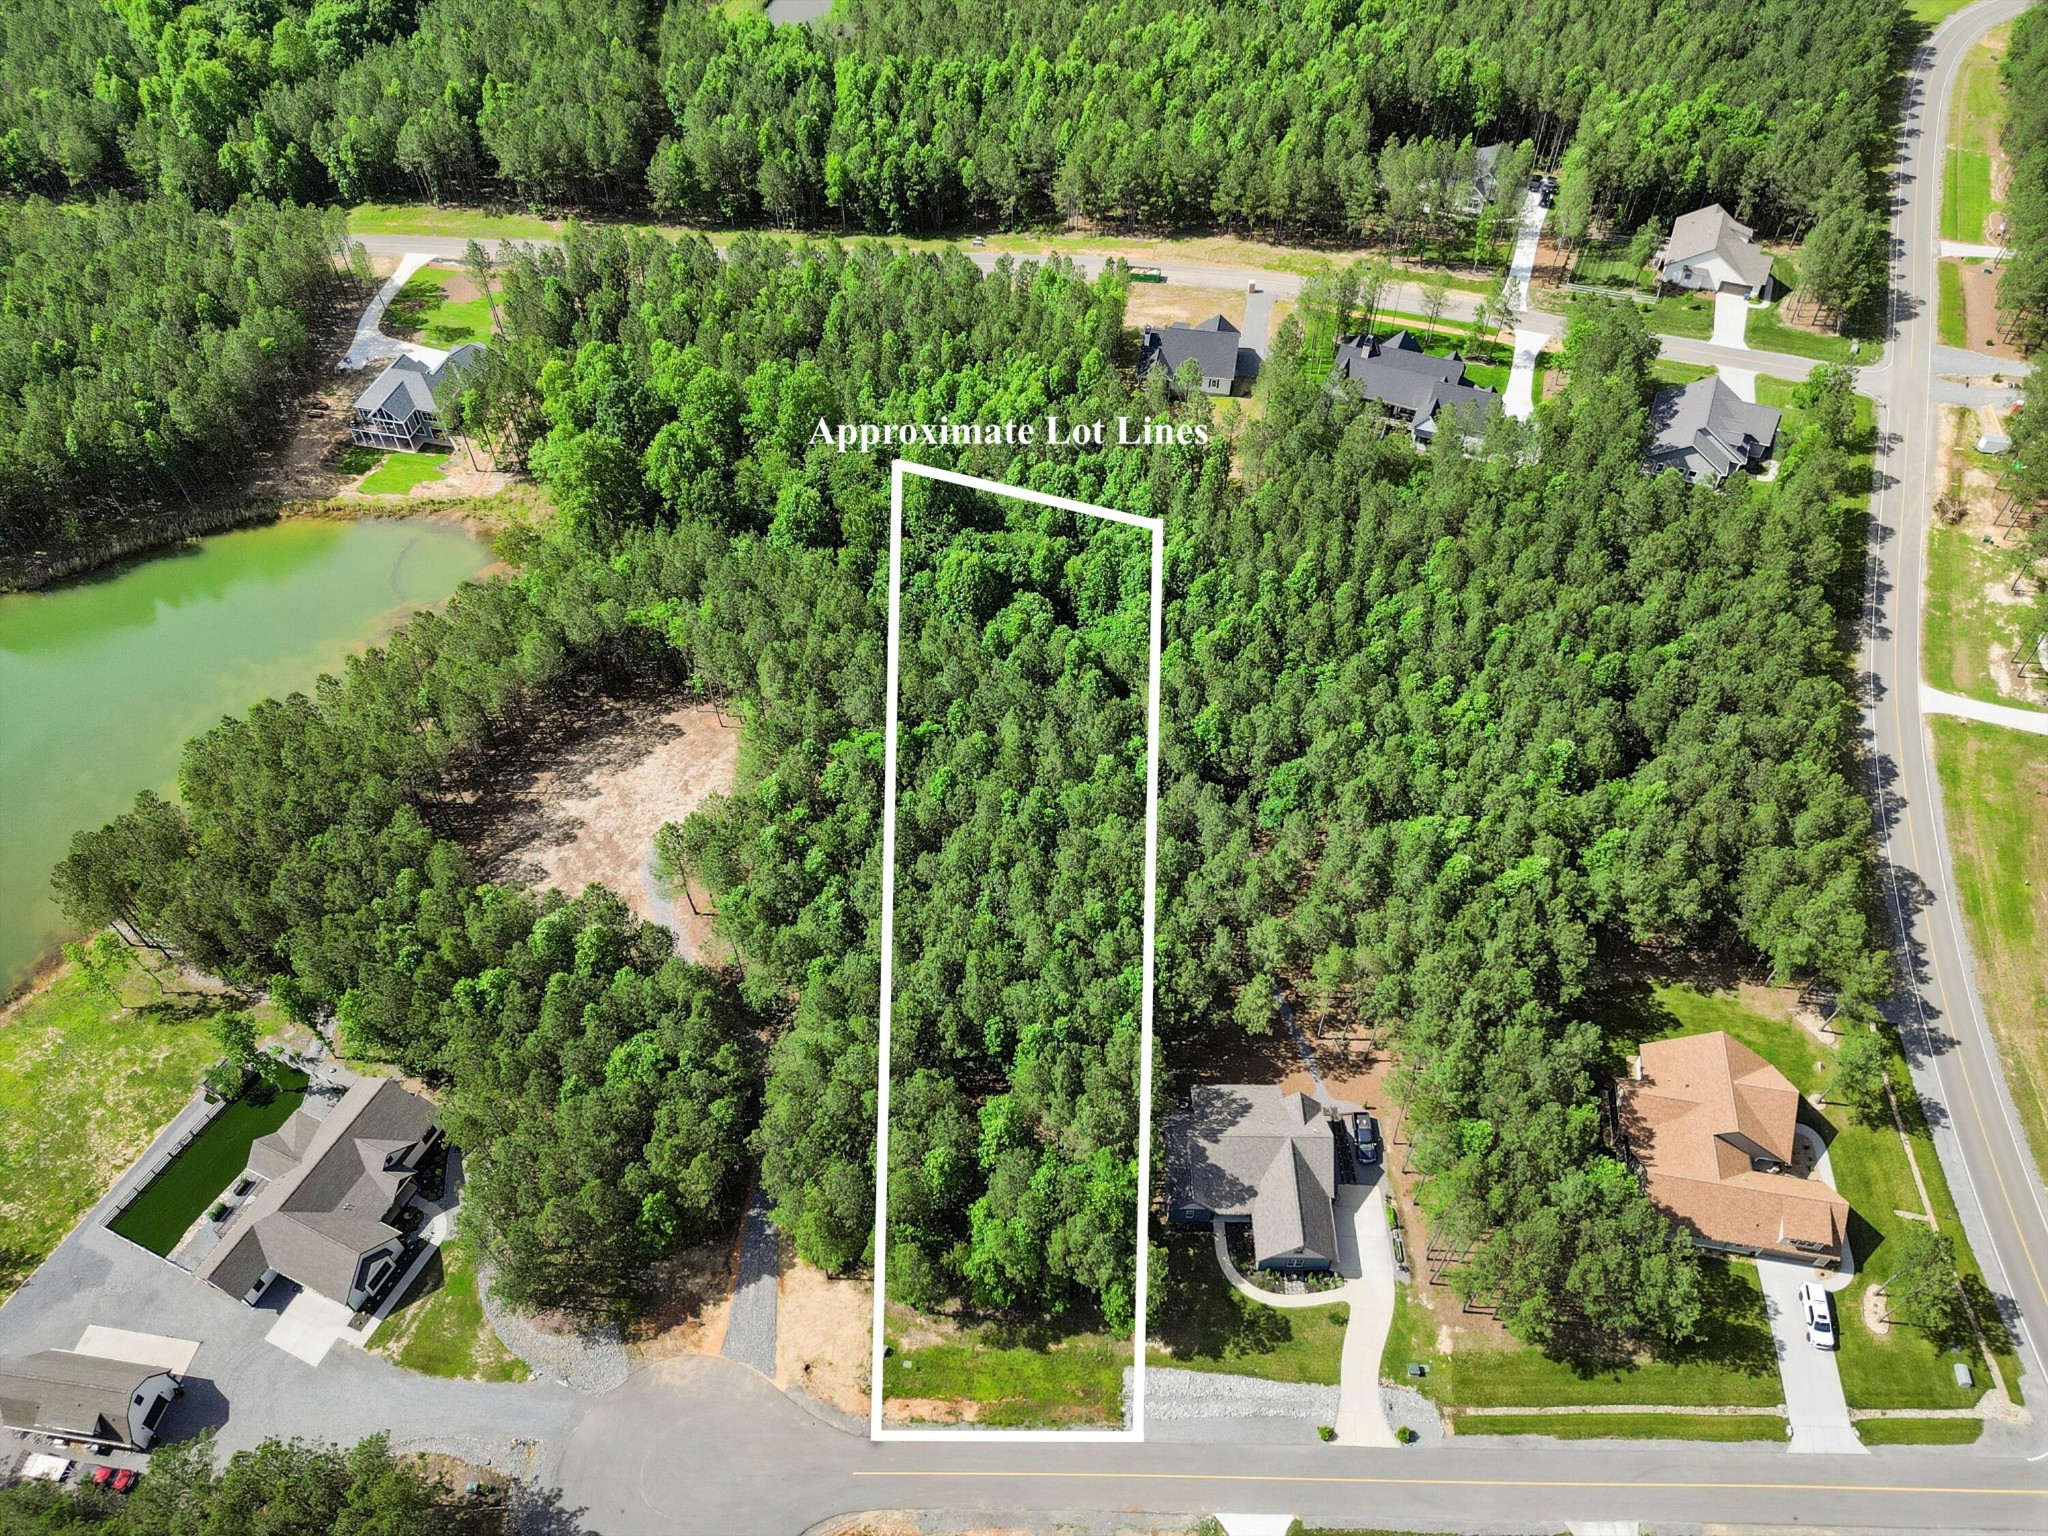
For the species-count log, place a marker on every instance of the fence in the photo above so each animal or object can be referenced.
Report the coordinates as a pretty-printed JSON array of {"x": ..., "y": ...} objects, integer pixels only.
[{"x": 160, "y": 1159}]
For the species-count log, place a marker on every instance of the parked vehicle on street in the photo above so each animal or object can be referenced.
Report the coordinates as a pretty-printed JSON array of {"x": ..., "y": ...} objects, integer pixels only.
[
  {"x": 1147, "y": 275},
  {"x": 125, "y": 1479}
]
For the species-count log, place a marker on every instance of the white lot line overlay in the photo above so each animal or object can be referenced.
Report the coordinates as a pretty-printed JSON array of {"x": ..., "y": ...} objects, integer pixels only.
[{"x": 1135, "y": 1429}]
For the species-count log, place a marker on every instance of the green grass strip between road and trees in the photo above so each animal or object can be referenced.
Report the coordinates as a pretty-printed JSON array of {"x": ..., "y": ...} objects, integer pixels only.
[
  {"x": 1626, "y": 1426},
  {"x": 1919, "y": 1431}
]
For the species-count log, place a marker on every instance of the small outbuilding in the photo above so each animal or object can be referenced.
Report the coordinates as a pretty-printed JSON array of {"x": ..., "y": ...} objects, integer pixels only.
[{"x": 62, "y": 1394}]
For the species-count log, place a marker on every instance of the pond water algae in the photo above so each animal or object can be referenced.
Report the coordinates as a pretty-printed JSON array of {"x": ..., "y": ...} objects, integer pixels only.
[{"x": 103, "y": 679}]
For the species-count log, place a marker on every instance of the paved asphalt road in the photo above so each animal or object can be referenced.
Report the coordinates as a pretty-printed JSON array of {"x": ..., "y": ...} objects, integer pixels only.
[
  {"x": 1954, "y": 1057},
  {"x": 707, "y": 1445}
]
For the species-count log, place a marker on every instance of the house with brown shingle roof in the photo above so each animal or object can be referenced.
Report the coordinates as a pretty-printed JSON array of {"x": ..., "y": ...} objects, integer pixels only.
[{"x": 1711, "y": 1128}]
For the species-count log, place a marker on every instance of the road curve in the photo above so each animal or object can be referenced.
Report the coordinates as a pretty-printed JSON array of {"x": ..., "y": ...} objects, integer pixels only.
[{"x": 1954, "y": 1058}]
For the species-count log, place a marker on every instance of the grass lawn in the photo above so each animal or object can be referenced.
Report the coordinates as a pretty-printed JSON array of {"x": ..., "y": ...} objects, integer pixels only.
[
  {"x": 1606, "y": 264},
  {"x": 1768, "y": 333},
  {"x": 460, "y": 223},
  {"x": 1962, "y": 623},
  {"x": 424, "y": 309},
  {"x": 1015, "y": 1376},
  {"x": 1995, "y": 785},
  {"x": 1735, "y": 1366},
  {"x": 179, "y": 1195},
  {"x": 438, "y": 1327},
  {"x": 1950, "y": 317},
  {"x": 1626, "y": 1426},
  {"x": 1932, "y": 13},
  {"x": 359, "y": 459},
  {"x": 1919, "y": 1431},
  {"x": 1666, "y": 371},
  {"x": 400, "y": 472},
  {"x": 1204, "y": 1324},
  {"x": 1965, "y": 194},
  {"x": 83, "y": 1090},
  {"x": 1690, "y": 315}
]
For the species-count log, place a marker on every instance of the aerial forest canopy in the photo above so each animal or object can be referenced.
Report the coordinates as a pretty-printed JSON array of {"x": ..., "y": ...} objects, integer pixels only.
[
  {"x": 1445, "y": 739},
  {"x": 1020, "y": 861},
  {"x": 143, "y": 349},
  {"x": 2023, "y": 289},
  {"x": 1327, "y": 116}
]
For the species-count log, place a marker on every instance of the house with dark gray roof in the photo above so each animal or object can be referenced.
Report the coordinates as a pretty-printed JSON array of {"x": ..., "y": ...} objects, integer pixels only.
[
  {"x": 1415, "y": 386},
  {"x": 1708, "y": 250},
  {"x": 398, "y": 410},
  {"x": 326, "y": 1213},
  {"x": 1706, "y": 431},
  {"x": 1251, "y": 1153},
  {"x": 1227, "y": 366},
  {"x": 66, "y": 1395}
]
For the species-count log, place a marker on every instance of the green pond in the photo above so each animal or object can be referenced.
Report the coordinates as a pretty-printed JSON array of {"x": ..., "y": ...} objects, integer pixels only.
[{"x": 103, "y": 680}]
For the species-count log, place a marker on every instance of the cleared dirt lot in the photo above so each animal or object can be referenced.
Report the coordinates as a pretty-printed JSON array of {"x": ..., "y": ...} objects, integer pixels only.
[{"x": 581, "y": 804}]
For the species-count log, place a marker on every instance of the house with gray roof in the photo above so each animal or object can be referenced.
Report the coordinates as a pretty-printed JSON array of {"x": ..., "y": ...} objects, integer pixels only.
[
  {"x": 1706, "y": 431},
  {"x": 1708, "y": 250},
  {"x": 398, "y": 410},
  {"x": 326, "y": 1213},
  {"x": 1415, "y": 386},
  {"x": 64, "y": 1394},
  {"x": 1251, "y": 1153},
  {"x": 1227, "y": 366}
]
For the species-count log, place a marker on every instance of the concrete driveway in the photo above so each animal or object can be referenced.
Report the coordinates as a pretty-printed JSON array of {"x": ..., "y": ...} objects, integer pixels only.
[
  {"x": 1365, "y": 1257},
  {"x": 1814, "y": 1403}
]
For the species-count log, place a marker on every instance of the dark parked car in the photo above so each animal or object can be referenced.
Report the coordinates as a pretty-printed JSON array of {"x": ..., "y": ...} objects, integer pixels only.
[{"x": 1365, "y": 1132}]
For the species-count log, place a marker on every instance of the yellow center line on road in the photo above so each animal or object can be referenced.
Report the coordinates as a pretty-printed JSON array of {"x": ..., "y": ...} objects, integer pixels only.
[{"x": 1461, "y": 1482}]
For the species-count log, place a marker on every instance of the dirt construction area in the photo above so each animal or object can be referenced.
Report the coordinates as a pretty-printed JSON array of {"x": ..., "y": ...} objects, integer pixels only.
[{"x": 582, "y": 804}]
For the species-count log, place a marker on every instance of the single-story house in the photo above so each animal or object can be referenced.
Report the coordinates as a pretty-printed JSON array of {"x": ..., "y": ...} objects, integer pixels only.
[
  {"x": 1416, "y": 387},
  {"x": 1707, "y": 249},
  {"x": 326, "y": 1214},
  {"x": 1227, "y": 366},
  {"x": 1706, "y": 431},
  {"x": 66, "y": 1395},
  {"x": 1711, "y": 1128},
  {"x": 1253, "y": 1153},
  {"x": 398, "y": 410}
]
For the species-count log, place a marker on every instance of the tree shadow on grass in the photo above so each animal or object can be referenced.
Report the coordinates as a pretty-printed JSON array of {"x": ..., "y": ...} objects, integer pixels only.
[
  {"x": 1735, "y": 1335},
  {"x": 1201, "y": 1317}
]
